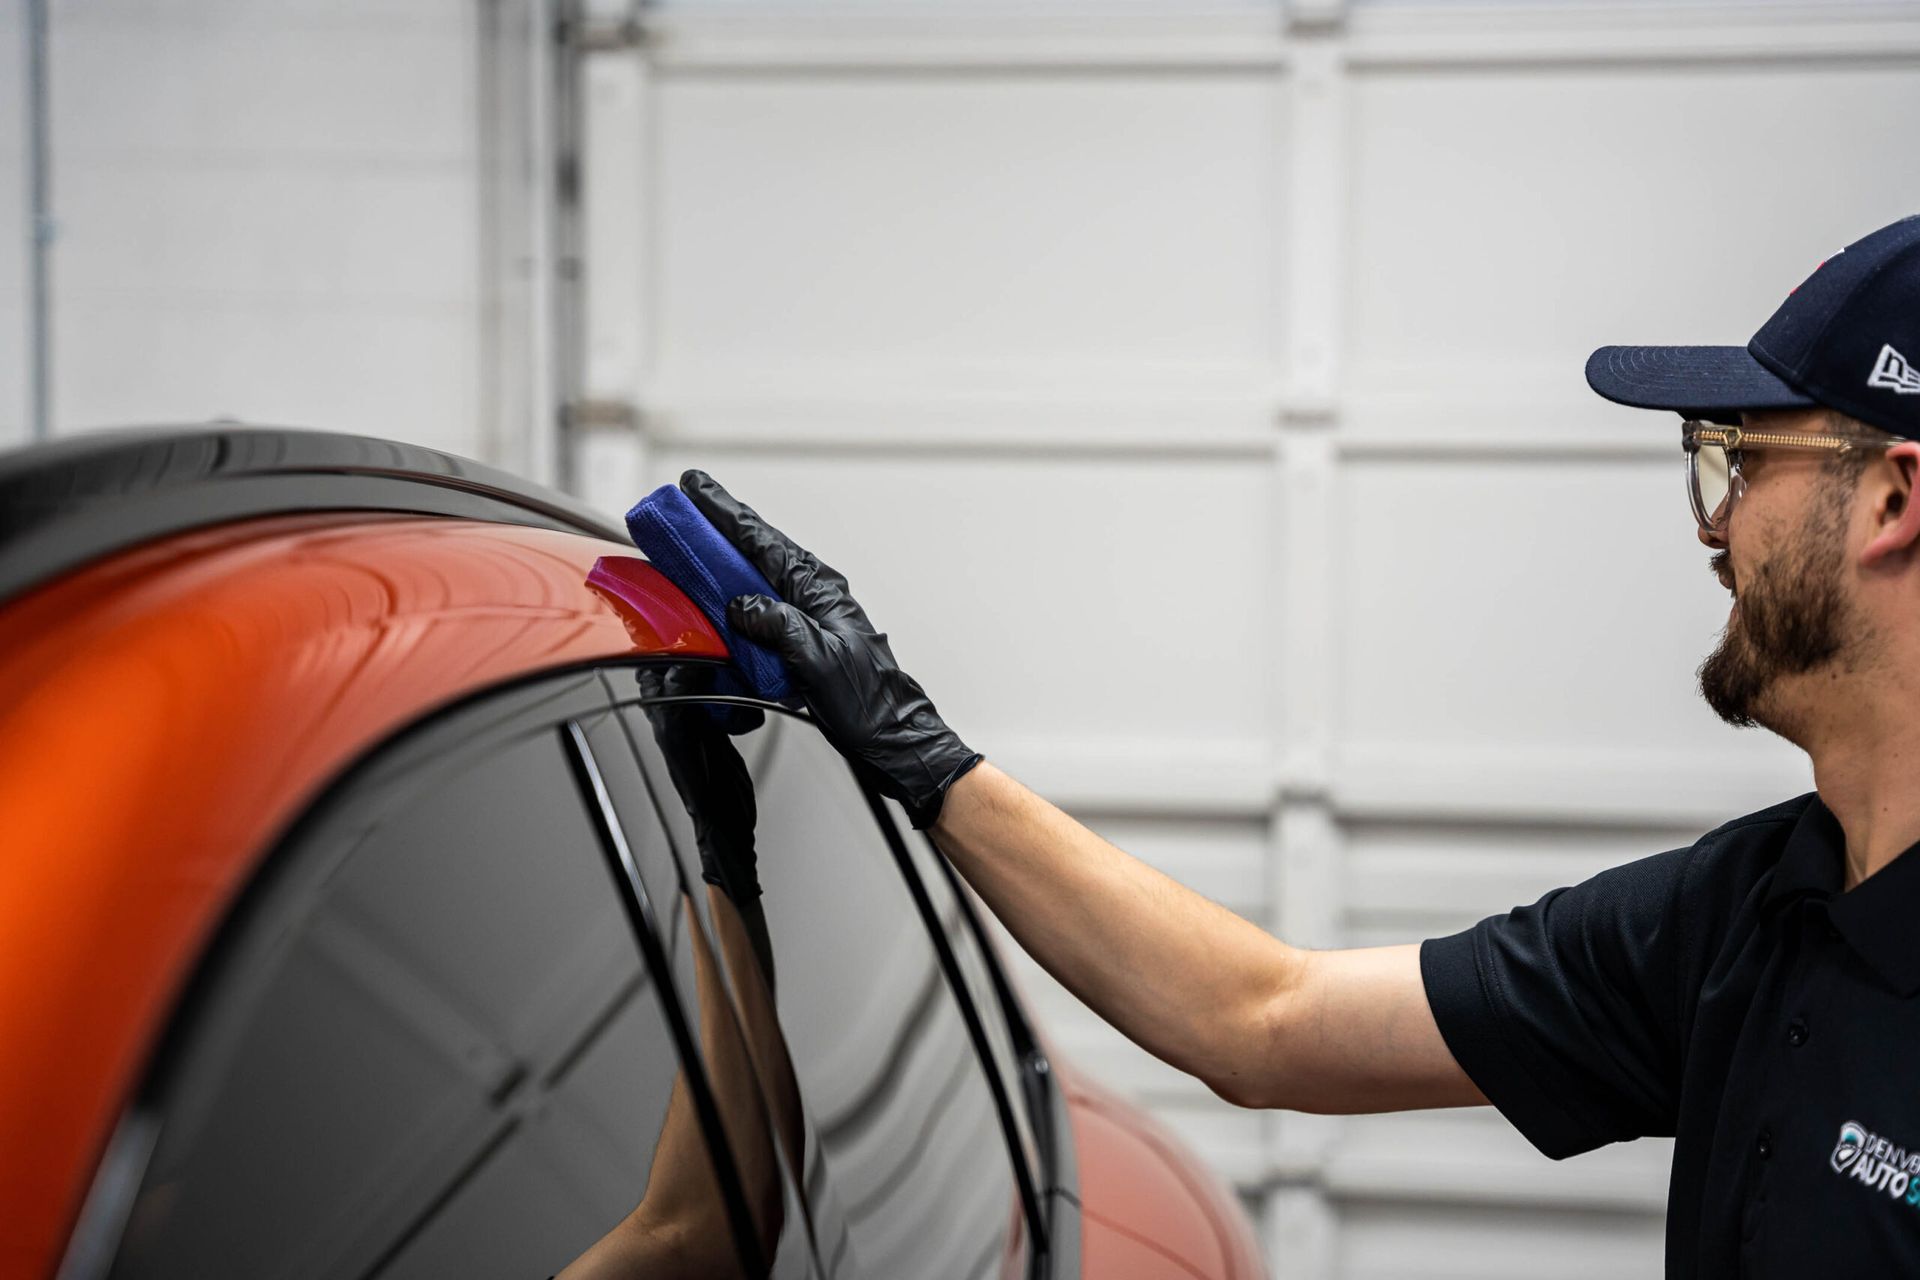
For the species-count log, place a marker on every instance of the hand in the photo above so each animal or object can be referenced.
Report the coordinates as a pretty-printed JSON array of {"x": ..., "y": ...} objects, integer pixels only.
[{"x": 877, "y": 715}]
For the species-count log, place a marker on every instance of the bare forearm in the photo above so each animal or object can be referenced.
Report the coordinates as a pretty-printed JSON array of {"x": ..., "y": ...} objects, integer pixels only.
[
  {"x": 1182, "y": 976},
  {"x": 1261, "y": 1022}
]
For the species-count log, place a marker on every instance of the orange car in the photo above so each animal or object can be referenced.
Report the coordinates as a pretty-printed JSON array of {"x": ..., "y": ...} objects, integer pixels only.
[{"x": 384, "y": 891}]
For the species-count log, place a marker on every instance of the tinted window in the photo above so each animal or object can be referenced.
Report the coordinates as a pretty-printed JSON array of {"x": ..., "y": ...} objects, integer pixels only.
[
  {"x": 432, "y": 1049},
  {"x": 736, "y": 1044},
  {"x": 907, "y": 1167},
  {"x": 961, "y": 926}
]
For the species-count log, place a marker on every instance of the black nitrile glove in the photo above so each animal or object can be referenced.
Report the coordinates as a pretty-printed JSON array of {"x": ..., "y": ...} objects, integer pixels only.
[{"x": 877, "y": 715}]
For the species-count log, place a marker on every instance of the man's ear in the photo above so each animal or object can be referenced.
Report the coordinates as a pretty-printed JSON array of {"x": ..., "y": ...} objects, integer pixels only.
[{"x": 1896, "y": 505}]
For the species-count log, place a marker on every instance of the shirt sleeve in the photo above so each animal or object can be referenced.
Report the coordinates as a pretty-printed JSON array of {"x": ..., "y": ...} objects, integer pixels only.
[{"x": 1567, "y": 1013}]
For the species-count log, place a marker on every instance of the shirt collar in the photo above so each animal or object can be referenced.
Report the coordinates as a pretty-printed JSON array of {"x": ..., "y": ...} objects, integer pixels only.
[
  {"x": 1812, "y": 861},
  {"x": 1876, "y": 917}
]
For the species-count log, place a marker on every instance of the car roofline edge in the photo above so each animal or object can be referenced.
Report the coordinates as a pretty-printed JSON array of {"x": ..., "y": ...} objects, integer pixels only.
[{"x": 71, "y": 501}]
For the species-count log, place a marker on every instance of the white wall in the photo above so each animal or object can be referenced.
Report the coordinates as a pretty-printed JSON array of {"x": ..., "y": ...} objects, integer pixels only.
[
  {"x": 14, "y": 306},
  {"x": 267, "y": 210},
  {"x": 1196, "y": 397}
]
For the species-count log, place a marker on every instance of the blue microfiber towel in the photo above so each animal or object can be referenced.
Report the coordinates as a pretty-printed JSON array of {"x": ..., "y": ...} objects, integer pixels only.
[{"x": 698, "y": 559}]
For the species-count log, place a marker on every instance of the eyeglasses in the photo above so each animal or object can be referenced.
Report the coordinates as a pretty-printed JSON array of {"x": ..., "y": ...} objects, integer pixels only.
[{"x": 1714, "y": 482}]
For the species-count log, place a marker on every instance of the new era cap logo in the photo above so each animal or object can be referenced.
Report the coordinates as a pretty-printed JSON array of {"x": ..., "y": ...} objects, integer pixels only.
[{"x": 1893, "y": 372}]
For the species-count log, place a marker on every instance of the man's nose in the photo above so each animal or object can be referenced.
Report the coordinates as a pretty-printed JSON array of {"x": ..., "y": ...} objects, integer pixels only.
[{"x": 1717, "y": 539}]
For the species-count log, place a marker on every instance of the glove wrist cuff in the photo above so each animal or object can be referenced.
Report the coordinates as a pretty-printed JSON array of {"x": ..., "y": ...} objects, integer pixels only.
[{"x": 925, "y": 813}]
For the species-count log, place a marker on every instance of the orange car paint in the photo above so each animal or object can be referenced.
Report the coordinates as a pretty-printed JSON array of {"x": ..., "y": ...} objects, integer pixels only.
[
  {"x": 1148, "y": 1209},
  {"x": 165, "y": 713}
]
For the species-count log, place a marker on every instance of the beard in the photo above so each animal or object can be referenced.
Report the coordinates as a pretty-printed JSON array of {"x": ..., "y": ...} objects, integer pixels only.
[{"x": 1793, "y": 618}]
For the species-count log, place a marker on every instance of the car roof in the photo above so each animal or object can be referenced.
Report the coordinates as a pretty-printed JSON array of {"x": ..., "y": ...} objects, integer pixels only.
[
  {"x": 212, "y": 628},
  {"x": 68, "y": 501}
]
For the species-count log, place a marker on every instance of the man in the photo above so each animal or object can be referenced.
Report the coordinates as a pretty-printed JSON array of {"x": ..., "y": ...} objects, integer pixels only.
[{"x": 1752, "y": 995}]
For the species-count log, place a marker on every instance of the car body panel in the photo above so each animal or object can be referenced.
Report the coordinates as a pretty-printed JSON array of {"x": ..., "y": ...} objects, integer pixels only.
[
  {"x": 1148, "y": 1207},
  {"x": 165, "y": 712}
]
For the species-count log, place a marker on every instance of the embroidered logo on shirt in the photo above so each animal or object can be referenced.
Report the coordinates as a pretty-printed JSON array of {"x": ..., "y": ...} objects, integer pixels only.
[
  {"x": 1868, "y": 1158},
  {"x": 1852, "y": 1136}
]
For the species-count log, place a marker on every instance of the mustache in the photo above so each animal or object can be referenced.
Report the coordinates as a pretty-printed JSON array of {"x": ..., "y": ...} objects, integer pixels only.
[{"x": 1720, "y": 564}]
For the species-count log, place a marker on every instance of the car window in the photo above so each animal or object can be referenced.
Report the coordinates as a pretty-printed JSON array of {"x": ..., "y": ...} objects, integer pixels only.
[
  {"x": 738, "y": 1046},
  {"x": 908, "y": 1168},
  {"x": 431, "y": 1047},
  {"x": 1007, "y": 1039}
]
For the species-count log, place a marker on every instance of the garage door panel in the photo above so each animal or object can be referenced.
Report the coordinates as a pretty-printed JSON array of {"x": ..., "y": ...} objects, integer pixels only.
[{"x": 950, "y": 227}]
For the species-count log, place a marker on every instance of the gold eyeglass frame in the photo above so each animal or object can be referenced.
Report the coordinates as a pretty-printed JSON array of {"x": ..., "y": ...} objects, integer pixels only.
[{"x": 1694, "y": 433}]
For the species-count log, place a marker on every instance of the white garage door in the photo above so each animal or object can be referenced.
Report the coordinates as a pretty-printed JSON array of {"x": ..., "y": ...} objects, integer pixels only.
[{"x": 1195, "y": 394}]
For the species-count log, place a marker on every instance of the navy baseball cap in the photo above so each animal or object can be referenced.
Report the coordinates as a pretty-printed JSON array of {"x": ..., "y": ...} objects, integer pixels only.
[{"x": 1847, "y": 338}]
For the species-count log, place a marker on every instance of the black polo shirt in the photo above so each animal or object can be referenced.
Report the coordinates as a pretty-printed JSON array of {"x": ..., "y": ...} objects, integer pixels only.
[{"x": 1731, "y": 996}]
